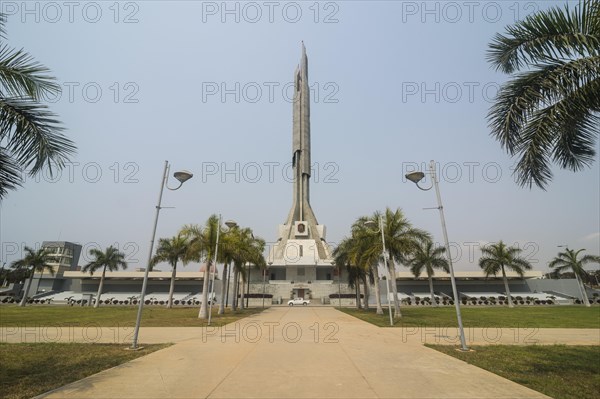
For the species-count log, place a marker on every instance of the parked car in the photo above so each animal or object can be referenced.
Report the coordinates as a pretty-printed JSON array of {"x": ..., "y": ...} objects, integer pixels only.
[{"x": 298, "y": 301}]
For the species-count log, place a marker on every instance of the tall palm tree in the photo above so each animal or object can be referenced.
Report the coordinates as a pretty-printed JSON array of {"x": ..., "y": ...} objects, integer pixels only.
[
  {"x": 428, "y": 258},
  {"x": 240, "y": 247},
  {"x": 110, "y": 259},
  {"x": 401, "y": 240},
  {"x": 202, "y": 245},
  {"x": 568, "y": 260},
  {"x": 549, "y": 111},
  {"x": 498, "y": 257},
  {"x": 171, "y": 250},
  {"x": 30, "y": 135},
  {"x": 367, "y": 252},
  {"x": 355, "y": 254},
  {"x": 227, "y": 248},
  {"x": 34, "y": 261},
  {"x": 249, "y": 252}
]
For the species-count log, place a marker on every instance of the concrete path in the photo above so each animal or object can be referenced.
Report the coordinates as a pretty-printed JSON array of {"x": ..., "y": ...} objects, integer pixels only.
[
  {"x": 300, "y": 352},
  {"x": 415, "y": 335}
]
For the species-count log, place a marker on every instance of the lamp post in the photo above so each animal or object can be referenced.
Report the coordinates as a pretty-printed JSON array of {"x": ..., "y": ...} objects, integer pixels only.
[
  {"x": 416, "y": 177},
  {"x": 370, "y": 223},
  {"x": 182, "y": 177}
]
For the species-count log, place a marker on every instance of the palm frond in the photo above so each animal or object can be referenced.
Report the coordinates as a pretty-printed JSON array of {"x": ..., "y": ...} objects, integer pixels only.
[
  {"x": 2, "y": 26},
  {"x": 546, "y": 36},
  {"x": 21, "y": 75},
  {"x": 10, "y": 174},
  {"x": 551, "y": 113},
  {"x": 33, "y": 135}
]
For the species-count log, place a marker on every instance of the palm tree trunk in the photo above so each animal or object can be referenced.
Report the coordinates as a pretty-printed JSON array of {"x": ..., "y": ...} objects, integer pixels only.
[
  {"x": 433, "y": 302},
  {"x": 223, "y": 289},
  {"x": 234, "y": 300},
  {"x": 243, "y": 296},
  {"x": 510, "y": 303},
  {"x": 228, "y": 285},
  {"x": 377, "y": 290},
  {"x": 366, "y": 291},
  {"x": 584, "y": 296},
  {"x": 41, "y": 275},
  {"x": 392, "y": 273},
  {"x": 100, "y": 288},
  {"x": 172, "y": 287},
  {"x": 203, "y": 314},
  {"x": 357, "y": 291},
  {"x": 26, "y": 291}
]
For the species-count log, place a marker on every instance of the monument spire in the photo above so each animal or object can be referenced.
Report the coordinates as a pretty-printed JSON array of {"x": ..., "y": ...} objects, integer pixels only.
[
  {"x": 301, "y": 223},
  {"x": 301, "y": 141}
]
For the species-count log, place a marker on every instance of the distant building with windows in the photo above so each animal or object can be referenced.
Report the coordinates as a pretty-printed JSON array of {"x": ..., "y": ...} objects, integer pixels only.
[{"x": 64, "y": 257}]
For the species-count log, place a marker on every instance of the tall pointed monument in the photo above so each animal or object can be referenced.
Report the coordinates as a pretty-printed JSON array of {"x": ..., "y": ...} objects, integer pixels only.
[{"x": 301, "y": 254}]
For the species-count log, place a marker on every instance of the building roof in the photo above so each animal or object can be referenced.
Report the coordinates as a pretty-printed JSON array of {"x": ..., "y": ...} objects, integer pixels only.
[
  {"x": 126, "y": 275},
  {"x": 469, "y": 275}
]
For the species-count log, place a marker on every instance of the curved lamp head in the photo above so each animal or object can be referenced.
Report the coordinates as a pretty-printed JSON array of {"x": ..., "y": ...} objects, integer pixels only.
[
  {"x": 183, "y": 176},
  {"x": 231, "y": 224},
  {"x": 371, "y": 224},
  {"x": 415, "y": 177}
]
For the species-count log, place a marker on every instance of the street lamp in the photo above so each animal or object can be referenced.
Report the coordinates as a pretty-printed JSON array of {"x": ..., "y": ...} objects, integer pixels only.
[
  {"x": 371, "y": 223},
  {"x": 416, "y": 177},
  {"x": 182, "y": 177}
]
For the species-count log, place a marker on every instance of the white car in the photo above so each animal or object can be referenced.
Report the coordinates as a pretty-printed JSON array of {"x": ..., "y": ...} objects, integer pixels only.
[{"x": 298, "y": 301}]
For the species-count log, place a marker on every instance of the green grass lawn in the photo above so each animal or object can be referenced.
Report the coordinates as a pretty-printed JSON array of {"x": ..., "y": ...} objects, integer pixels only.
[
  {"x": 31, "y": 369},
  {"x": 562, "y": 372},
  {"x": 540, "y": 317},
  {"x": 66, "y": 316}
]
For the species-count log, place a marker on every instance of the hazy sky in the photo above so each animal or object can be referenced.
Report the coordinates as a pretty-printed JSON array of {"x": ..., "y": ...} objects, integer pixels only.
[{"x": 206, "y": 85}]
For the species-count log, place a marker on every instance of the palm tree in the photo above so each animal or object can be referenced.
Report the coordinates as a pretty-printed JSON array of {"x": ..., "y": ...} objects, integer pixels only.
[
  {"x": 568, "y": 260},
  {"x": 202, "y": 245},
  {"x": 549, "y": 113},
  {"x": 367, "y": 252},
  {"x": 249, "y": 251},
  {"x": 171, "y": 250},
  {"x": 241, "y": 249},
  {"x": 227, "y": 248},
  {"x": 401, "y": 240},
  {"x": 110, "y": 259},
  {"x": 357, "y": 256},
  {"x": 30, "y": 135},
  {"x": 36, "y": 261},
  {"x": 497, "y": 257},
  {"x": 429, "y": 258}
]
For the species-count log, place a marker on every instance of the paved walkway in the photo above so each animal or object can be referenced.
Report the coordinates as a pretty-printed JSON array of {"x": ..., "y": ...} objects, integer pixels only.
[
  {"x": 312, "y": 352},
  {"x": 414, "y": 335}
]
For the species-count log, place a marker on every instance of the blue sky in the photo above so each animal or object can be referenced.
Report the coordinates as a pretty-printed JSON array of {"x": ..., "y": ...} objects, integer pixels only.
[{"x": 205, "y": 85}]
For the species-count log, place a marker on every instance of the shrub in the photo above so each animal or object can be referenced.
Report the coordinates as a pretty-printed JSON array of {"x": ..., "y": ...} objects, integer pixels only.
[
  {"x": 254, "y": 295},
  {"x": 336, "y": 296}
]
